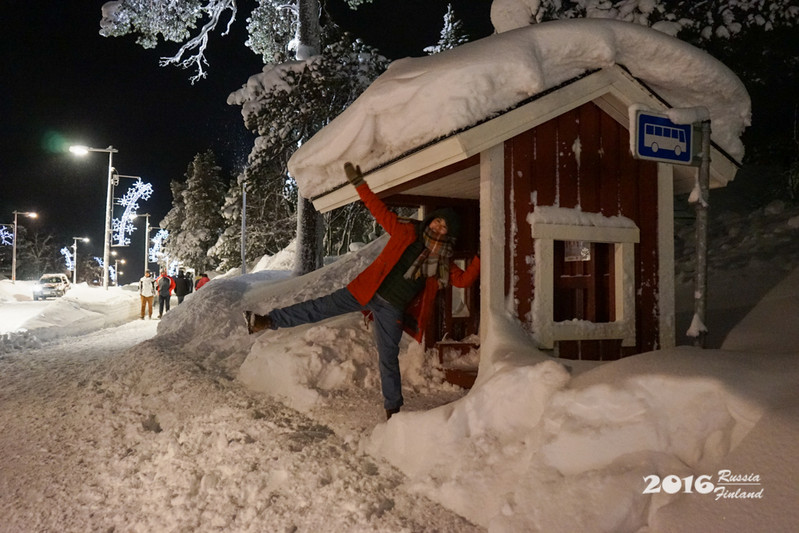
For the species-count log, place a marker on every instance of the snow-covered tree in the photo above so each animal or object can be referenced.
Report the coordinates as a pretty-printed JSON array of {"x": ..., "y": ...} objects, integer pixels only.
[
  {"x": 708, "y": 19},
  {"x": 452, "y": 33},
  {"x": 197, "y": 228},
  {"x": 286, "y": 104},
  {"x": 272, "y": 25},
  {"x": 277, "y": 30},
  {"x": 173, "y": 221}
]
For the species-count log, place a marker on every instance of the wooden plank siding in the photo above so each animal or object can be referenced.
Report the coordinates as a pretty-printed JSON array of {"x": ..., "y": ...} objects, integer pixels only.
[{"x": 542, "y": 168}]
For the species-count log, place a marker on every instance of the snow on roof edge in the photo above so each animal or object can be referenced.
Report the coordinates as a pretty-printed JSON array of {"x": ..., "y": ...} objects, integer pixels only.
[{"x": 419, "y": 101}]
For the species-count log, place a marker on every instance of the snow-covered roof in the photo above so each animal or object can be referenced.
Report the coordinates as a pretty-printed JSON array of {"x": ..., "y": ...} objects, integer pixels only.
[{"x": 419, "y": 100}]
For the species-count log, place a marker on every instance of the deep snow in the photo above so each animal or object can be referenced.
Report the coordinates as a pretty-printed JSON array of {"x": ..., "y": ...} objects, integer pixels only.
[{"x": 205, "y": 428}]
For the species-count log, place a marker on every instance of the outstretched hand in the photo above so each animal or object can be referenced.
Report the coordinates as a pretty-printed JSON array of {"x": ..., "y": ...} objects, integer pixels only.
[{"x": 354, "y": 174}]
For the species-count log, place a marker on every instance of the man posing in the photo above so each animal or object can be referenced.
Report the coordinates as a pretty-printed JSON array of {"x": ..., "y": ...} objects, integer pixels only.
[{"x": 403, "y": 280}]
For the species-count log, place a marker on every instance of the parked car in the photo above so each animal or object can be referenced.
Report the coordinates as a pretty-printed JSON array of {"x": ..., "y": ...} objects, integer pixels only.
[{"x": 54, "y": 285}]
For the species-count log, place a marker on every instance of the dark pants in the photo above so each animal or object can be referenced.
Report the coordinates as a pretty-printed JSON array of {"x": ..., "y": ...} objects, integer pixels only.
[
  {"x": 163, "y": 302},
  {"x": 387, "y": 332}
]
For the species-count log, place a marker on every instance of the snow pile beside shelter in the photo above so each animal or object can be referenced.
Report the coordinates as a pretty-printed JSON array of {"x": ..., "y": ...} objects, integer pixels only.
[{"x": 419, "y": 100}]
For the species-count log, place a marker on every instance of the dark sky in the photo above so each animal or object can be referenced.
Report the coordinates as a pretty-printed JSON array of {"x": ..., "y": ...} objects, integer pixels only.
[{"x": 62, "y": 83}]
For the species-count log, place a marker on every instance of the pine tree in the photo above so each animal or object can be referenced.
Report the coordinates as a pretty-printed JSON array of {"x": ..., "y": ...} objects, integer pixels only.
[
  {"x": 195, "y": 222},
  {"x": 452, "y": 34},
  {"x": 285, "y": 105}
]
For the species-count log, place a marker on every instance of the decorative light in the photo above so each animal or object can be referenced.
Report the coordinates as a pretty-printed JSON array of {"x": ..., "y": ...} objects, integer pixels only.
[
  {"x": 70, "y": 261},
  {"x": 158, "y": 242},
  {"x": 124, "y": 226},
  {"x": 6, "y": 237}
]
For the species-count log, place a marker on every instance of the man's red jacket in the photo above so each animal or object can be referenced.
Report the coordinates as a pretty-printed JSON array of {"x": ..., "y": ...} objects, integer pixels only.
[{"x": 402, "y": 234}]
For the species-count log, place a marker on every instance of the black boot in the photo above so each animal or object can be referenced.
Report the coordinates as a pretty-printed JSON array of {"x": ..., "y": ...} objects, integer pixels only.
[{"x": 390, "y": 412}]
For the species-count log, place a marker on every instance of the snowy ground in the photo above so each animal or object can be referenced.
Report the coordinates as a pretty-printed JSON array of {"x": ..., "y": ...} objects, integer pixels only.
[{"x": 202, "y": 427}]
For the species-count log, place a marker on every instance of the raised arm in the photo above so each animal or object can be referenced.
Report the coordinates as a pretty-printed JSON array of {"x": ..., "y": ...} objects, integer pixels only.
[{"x": 383, "y": 215}]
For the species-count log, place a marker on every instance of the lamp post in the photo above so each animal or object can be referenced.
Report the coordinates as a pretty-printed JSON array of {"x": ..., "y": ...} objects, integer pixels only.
[
  {"x": 75, "y": 257},
  {"x": 146, "y": 241},
  {"x": 83, "y": 150},
  {"x": 116, "y": 269},
  {"x": 30, "y": 214}
]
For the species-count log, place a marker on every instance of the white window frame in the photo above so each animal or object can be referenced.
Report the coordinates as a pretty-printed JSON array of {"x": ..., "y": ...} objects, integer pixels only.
[{"x": 546, "y": 330}]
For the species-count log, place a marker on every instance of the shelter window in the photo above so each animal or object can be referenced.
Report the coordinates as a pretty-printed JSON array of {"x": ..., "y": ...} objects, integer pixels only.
[{"x": 584, "y": 277}]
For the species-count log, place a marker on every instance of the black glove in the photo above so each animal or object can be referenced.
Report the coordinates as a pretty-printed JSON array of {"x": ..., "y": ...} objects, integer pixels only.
[{"x": 353, "y": 174}]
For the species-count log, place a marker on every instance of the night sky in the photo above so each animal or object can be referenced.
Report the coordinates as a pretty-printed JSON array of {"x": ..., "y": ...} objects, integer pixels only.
[{"x": 63, "y": 83}]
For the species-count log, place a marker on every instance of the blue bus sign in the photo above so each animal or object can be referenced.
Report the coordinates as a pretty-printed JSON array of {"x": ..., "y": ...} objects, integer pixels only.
[{"x": 659, "y": 139}]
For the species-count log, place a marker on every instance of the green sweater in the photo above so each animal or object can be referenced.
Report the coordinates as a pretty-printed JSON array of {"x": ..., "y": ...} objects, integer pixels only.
[{"x": 397, "y": 290}]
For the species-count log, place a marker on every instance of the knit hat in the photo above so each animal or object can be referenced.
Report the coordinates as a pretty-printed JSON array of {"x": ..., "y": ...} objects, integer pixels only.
[{"x": 451, "y": 217}]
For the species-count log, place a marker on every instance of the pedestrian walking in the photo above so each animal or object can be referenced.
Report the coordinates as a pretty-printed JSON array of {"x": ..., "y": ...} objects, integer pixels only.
[
  {"x": 165, "y": 286},
  {"x": 147, "y": 291}
]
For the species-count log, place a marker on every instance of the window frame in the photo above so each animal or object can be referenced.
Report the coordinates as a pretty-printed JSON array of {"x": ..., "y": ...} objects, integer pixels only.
[{"x": 623, "y": 239}]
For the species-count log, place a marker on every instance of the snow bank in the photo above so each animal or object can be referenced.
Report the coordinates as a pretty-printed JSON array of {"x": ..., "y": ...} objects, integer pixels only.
[
  {"x": 81, "y": 310},
  {"x": 418, "y": 100},
  {"x": 531, "y": 450}
]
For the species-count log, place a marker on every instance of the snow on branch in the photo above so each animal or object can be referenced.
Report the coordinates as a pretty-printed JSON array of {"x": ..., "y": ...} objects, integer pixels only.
[{"x": 199, "y": 43}]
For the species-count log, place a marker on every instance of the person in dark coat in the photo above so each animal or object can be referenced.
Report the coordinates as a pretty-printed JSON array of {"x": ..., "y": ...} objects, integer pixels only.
[
  {"x": 398, "y": 288},
  {"x": 165, "y": 285},
  {"x": 183, "y": 286}
]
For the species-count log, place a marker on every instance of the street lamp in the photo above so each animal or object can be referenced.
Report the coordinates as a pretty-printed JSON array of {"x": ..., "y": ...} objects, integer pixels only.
[
  {"x": 75, "y": 257},
  {"x": 116, "y": 269},
  {"x": 81, "y": 151},
  {"x": 30, "y": 214},
  {"x": 146, "y": 240}
]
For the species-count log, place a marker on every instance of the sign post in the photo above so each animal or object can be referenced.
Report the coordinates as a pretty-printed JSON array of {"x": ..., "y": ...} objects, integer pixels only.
[{"x": 654, "y": 136}]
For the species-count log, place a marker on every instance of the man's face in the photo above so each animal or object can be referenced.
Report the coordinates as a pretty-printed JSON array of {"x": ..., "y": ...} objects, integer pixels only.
[{"x": 439, "y": 226}]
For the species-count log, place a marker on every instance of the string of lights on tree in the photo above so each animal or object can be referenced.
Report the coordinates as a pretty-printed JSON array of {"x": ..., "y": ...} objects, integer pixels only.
[{"x": 122, "y": 227}]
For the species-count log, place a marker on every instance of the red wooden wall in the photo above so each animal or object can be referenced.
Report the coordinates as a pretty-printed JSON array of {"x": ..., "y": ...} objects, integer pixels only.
[{"x": 541, "y": 168}]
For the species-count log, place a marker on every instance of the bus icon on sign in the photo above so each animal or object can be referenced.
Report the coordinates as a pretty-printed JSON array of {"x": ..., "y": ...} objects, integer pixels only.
[
  {"x": 664, "y": 138},
  {"x": 659, "y": 139}
]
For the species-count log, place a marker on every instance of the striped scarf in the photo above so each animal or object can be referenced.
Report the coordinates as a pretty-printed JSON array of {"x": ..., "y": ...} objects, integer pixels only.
[{"x": 434, "y": 259}]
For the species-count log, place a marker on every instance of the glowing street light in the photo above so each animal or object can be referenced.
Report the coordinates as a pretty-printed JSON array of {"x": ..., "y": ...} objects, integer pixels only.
[
  {"x": 116, "y": 270},
  {"x": 30, "y": 214},
  {"x": 82, "y": 151},
  {"x": 75, "y": 257}
]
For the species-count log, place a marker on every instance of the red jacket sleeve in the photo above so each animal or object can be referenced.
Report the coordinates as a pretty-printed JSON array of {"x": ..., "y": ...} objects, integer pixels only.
[
  {"x": 464, "y": 278},
  {"x": 384, "y": 216}
]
